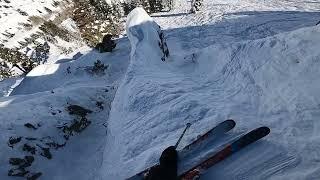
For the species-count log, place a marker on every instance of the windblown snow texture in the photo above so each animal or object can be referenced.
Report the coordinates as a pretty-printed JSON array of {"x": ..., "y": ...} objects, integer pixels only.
[
  {"x": 256, "y": 81},
  {"x": 250, "y": 60}
]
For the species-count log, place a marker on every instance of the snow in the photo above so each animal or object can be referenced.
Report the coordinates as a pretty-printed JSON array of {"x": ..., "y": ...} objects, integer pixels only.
[
  {"x": 259, "y": 75},
  {"x": 252, "y": 61},
  {"x": 11, "y": 20},
  {"x": 43, "y": 97},
  {"x": 70, "y": 25}
]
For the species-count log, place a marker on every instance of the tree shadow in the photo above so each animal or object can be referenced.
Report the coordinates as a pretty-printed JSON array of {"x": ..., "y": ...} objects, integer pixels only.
[{"x": 170, "y": 15}]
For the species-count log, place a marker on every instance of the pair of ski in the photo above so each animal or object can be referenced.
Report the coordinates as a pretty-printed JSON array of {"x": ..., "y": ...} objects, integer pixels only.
[{"x": 229, "y": 149}]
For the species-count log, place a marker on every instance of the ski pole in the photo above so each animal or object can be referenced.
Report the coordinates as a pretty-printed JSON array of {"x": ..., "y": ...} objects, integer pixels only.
[{"x": 184, "y": 131}]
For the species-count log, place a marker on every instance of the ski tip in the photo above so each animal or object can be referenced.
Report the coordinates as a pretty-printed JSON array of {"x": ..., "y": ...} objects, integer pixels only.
[
  {"x": 230, "y": 122},
  {"x": 263, "y": 131}
]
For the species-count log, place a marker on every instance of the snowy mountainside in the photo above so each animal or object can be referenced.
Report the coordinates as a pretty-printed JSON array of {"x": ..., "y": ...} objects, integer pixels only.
[
  {"x": 269, "y": 81},
  {"x": 15, "y": 13},
  {"x": 42, "y": 110},
  {"x": 253, "y": 61}
]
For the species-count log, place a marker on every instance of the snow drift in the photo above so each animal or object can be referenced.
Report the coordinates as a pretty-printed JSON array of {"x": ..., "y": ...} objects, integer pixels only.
[{"x": 271, "y": 82}]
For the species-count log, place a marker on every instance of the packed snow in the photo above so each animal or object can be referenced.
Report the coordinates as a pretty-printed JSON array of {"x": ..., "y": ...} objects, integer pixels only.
[{"x": 256, "y": 62}]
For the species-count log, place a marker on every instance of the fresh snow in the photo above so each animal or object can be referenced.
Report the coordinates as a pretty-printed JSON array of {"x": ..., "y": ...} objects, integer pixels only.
[{"x": 256, "y": 62}]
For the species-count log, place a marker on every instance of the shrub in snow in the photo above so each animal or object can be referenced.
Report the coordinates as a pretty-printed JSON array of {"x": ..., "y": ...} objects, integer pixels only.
[
  {"x": 196, "y": 5},
  {"x": 40, "y": 54},
  {"x": 155, "y": 6},
  {"x": 13, "y": 58},
  {"x": 23, "y": 13},
  {"x": 150, "y": 6},
  {"x": 5, "y": 70},
  {"x": 55, "y": 3},
  {"x": 98, "y": 68}
]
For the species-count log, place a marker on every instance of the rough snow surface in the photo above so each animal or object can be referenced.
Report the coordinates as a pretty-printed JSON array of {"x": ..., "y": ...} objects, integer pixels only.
[
  {"x": 255, "y": 69},
  {"x": 256, "y": 62}
]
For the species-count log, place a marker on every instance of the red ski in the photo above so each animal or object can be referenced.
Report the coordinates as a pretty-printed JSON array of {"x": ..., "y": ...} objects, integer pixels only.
[{"x": 237, "y": 145}]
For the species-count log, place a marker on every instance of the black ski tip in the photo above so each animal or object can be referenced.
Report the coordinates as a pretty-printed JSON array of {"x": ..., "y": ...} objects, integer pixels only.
[
  {"x": 263, "y": 130},
  {"x": 251, "y": 137},
  {"x": 230, "y": 122}
]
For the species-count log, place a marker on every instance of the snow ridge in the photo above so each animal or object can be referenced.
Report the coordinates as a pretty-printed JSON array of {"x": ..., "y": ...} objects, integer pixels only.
[{"x": 256, "y": 82}]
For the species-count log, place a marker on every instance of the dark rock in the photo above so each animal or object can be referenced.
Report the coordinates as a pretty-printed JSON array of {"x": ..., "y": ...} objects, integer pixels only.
[
  {"x": 31, "y": 138},
  {"x": 99, "y": 104},
  {"x": 55, "y": 145},
  {"x": 28, "y": 125},
  {"x": 29, "y": 148},
  {"x": 29, "y": 159},
  {"x": 16, "y": 161},
  {"x": 78, "y": 126},
  {"x": 13, "y": 140},
  {"x": 46, "y": 153},
  {"x": 22, "y": 163},
  {"x": 33, "y": 176},
  {"x": 19, "y": 172},
  {"x": 78, "y": 110},
  {"x": 107, "y": 44}
]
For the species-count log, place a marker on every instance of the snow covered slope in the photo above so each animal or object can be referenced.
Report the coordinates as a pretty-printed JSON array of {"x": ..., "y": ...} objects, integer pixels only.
[
  {"x": 253, "y": 61},
  {"x": 16, "y": 13},
  {"x": 270, "y": 81},
  {"x": 44, "y": 100}
]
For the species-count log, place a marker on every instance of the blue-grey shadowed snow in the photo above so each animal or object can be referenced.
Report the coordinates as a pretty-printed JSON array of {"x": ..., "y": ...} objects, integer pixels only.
[
  {"x": 74, "y": 57},
  {"x": 235, "y": 27}
]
